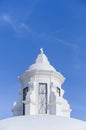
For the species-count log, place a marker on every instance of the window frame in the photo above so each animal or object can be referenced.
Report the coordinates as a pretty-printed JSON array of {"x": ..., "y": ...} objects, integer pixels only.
[{"x": 45, "y": 100}]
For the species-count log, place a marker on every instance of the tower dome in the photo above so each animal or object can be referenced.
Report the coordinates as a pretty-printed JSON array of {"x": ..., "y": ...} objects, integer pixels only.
[{"x": 41, "y": 63}]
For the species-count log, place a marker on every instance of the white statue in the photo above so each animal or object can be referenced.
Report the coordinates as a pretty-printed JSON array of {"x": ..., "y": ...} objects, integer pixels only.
[{"x": 41, "y": 50}]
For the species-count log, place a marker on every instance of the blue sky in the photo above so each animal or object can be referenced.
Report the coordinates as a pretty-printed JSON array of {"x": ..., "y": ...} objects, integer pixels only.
[{"x": 60, "y": 28}]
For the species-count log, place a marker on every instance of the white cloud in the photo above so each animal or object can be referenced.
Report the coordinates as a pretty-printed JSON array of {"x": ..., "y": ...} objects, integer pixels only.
[
  {"x": 25, "y": 27},
  {"x": 66, "y": 43},
  {"x": 21, "y": 27},
  {"x": 7, "y": 19},
  {"x": 18, "y": 27}
]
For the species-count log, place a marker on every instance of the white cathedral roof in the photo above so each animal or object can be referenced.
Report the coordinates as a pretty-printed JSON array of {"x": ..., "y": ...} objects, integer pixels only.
[
  {"x": 42, "y": 123},
  {"x": 41, "y": 63}
]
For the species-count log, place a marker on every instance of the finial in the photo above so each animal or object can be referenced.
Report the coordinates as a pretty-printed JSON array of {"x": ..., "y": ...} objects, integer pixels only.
[{"x": 41, "y": 50}]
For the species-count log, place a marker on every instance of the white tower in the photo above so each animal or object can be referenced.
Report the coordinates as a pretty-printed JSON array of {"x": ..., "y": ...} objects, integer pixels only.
[{"x": 41, "y": 91}]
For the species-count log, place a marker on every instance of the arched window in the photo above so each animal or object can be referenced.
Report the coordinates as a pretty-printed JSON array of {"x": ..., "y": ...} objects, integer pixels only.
[
  {"x": 58, "y": 91},
  {"x": 25, "y": 90}
]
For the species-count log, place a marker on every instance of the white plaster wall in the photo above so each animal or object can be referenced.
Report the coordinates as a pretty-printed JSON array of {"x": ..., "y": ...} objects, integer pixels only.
[{"x": 55, "y": 104}]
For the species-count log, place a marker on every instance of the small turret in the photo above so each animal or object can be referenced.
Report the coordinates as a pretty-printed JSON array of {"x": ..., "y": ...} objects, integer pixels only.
[{"x": 41, "y": 91}]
